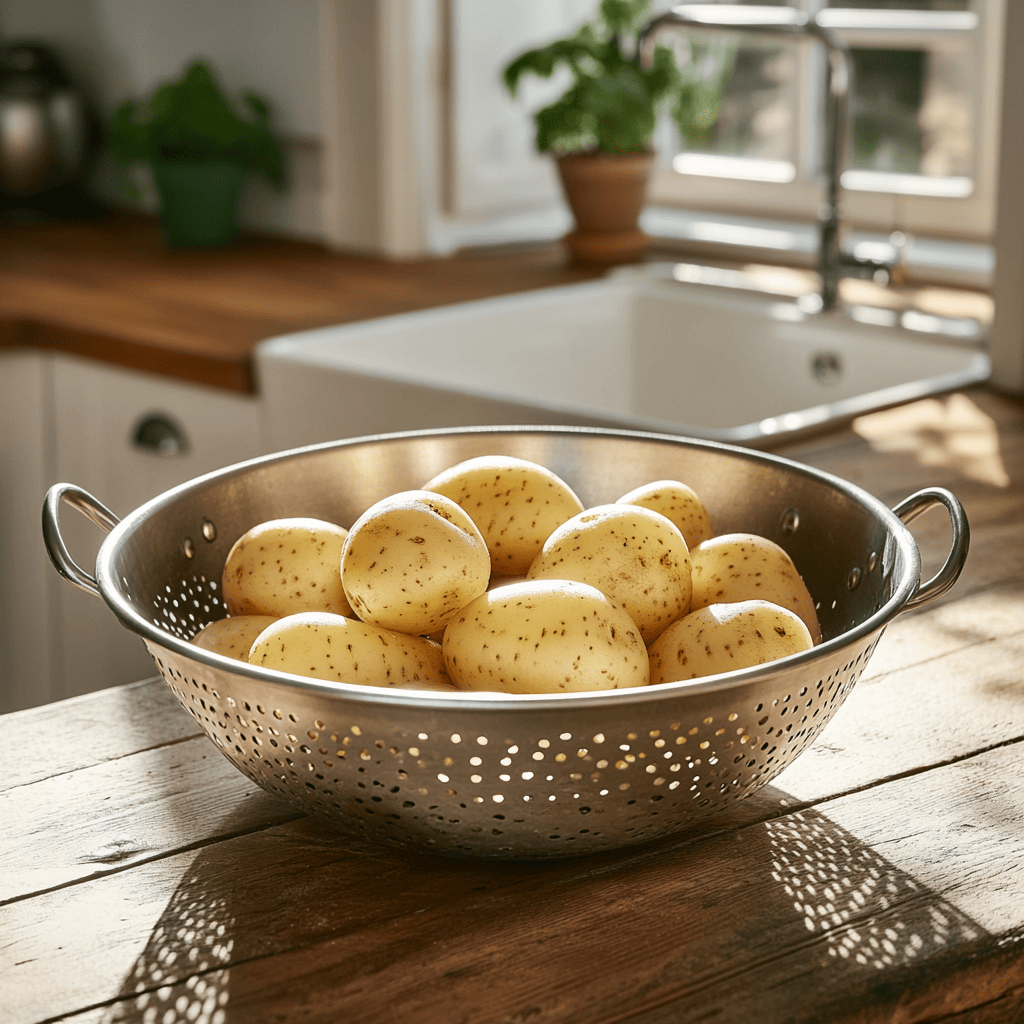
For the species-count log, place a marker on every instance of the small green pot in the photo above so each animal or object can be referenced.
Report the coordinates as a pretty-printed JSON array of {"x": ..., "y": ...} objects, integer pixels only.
[{"x": 198, "y": 201}]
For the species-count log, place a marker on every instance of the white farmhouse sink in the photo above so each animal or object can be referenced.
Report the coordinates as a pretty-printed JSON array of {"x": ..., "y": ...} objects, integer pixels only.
[{"x": 636, "y": 349}]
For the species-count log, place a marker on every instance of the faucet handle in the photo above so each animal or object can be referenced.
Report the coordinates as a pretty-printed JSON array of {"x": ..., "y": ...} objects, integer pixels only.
[
  {"x": 900, "y": 242},
  {"x": 881, "y": 261}
]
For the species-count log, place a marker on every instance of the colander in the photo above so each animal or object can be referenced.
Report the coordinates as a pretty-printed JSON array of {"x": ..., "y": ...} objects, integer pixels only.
[{"x": 532, "y": 776}]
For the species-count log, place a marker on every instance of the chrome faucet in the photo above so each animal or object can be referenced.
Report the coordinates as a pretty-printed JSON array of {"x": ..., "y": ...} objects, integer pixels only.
[{"x": 833, "y": 263}]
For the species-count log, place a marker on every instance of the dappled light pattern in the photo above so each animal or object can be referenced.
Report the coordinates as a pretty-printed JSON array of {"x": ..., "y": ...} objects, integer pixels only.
[
  {"x": 952, "y": 433},
  {"x": 182, "y": 974},
  {"x": 869, "y": 912}
]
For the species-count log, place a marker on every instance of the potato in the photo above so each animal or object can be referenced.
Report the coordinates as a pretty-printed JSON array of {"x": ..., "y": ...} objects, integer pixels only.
[
  {"x": 544, "y": 636},
  {"x": 411, "y": 561},
  {"x": 232, "y": 636},
  {"x": 726, "y": 637},
  {"x": 284, "y": 566},
  {"x": 514, "y": 503},
  {"x": 678, "y": 503},
  {"x": 339, "y": 649},
  {"x": 745, "y": 567},
  {"x": 633, "y": 555}
]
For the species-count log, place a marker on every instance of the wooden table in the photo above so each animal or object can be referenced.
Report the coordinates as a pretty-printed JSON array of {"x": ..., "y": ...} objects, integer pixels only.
[{"x": 880, "y": 878}]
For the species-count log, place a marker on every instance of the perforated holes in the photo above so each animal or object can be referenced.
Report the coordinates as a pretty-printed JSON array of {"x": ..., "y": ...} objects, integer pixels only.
[
  {"x": 183, "y": 611},
  {"x": 391, "y": 785}
]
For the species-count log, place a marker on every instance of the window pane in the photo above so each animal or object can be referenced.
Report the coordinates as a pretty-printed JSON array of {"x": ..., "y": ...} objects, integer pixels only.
[
  {"x": 911, "y": 113},
  {"x": 757, "y": 116}
]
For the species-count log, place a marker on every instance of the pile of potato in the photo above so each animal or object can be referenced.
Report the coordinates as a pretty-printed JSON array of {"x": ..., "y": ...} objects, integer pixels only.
[{"x": 494, "y": 577}]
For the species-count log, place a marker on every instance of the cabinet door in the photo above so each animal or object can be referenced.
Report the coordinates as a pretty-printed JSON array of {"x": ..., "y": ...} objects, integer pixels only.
[
  {"x": 115, "y": 437},
  {"x": 27, "y": 580}
]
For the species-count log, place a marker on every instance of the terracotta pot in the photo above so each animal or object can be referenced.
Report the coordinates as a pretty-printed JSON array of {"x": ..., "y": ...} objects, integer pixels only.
[{"x": 606, "y": 193}]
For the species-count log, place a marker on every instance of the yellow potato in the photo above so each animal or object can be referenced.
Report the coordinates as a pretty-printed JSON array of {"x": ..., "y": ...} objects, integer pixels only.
[
  {"x": 726, "y": 637},
  {"x": 633, "y": 555},
  {"x": 746, "y": 567},
  {"x": 544, "y": 637},
  {"x": 285, "y": 566},
  {"x": 514, "y": 503},
  {"x": 339, "y": 649},
  {"x": 411, "y": 561},
  {"x": 678, "y": 503},
  {"x": 232, "y": 636}
]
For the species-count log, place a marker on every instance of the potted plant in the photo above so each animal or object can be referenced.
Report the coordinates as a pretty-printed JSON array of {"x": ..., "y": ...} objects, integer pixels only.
[
  {"x": 200, "y": 147},
  {"x": 601, "y": 129}
]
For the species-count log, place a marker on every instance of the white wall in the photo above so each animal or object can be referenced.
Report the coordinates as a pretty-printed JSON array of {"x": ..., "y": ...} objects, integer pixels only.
[{"x": 117, "y": 49}]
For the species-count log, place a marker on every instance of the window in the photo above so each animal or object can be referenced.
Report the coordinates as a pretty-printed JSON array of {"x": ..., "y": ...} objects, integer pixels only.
[
  {"x": 921, "y": 151},
  {"x": 452, "y": 161}
]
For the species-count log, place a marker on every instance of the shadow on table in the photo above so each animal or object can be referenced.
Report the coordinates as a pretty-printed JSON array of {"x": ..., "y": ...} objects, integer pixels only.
[{"x": 295, "y": 922}]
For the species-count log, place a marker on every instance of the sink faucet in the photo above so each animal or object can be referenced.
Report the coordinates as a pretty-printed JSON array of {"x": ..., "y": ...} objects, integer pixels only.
[{"x": 833, "y": 263}]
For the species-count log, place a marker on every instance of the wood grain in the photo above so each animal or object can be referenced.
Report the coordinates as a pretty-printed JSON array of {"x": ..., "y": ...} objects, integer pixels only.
[
  {"x": 125, "y": 811},
  {"x": 857, "y": 891},
  {"x": 91, "y": 729}
]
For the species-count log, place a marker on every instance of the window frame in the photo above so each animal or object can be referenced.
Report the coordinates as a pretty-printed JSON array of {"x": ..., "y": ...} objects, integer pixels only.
[{"x": 970, "y": 217}]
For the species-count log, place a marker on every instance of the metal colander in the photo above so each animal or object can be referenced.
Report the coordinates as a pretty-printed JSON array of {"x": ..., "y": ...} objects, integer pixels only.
[{"x": 523, "y": 776}]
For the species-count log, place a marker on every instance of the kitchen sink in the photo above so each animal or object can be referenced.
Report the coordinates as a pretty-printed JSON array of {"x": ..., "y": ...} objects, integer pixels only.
[{"x": 655, "y": 348}]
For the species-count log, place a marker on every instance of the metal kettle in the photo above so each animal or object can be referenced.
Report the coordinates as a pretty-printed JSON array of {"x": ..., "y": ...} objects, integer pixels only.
[{"x": 48, "y": 134}]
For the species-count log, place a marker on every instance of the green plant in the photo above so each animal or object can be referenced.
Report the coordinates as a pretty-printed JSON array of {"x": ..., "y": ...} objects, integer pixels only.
[
  {"x": 614, "y": 102},
  {"x": 191, "y": 119}
]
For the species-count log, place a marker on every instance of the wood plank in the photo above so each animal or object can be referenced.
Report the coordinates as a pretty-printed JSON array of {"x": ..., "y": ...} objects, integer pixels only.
[
  {"x": 963, "y": 451},
  {"x": 963, "y": 618},
  {"x": 87, "y": 822},
  {"x": 909, "y": 719},
  {"x": 815, "y": 915},
  {"x": 57, "y": 738}
]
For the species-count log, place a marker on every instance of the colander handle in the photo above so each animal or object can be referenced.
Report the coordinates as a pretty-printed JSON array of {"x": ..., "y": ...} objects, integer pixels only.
[
  {"x": 55, "y": 546},
  {"x": 917, "y": 504}
]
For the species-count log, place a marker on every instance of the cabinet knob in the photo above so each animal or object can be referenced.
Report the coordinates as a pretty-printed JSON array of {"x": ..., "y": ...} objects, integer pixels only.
[{"x": 158, "y": 434}]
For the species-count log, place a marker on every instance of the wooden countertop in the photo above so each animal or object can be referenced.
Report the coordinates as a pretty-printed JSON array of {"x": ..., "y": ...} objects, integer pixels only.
[
  {"x": 879, "y": 878},
  {"x": 111, "y": 290}
]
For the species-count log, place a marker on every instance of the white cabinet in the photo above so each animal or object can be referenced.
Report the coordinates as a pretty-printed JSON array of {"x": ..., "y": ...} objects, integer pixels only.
[
  {"x": 84, "y": 431},
  {"x": 27, "y": 581}
]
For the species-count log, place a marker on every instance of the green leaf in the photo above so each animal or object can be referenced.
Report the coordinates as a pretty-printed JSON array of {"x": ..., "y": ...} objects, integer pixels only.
[
  {"x": 565, "y": 126},
  {"x": 697, "y": 103},
  {"x": 662, "y": 77},
  {"x": 625, "y": 114},
  {"x": 613, "y": 104},
  {"x": 543, "y": 60},
  {"x": 623, "y": 16}
]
